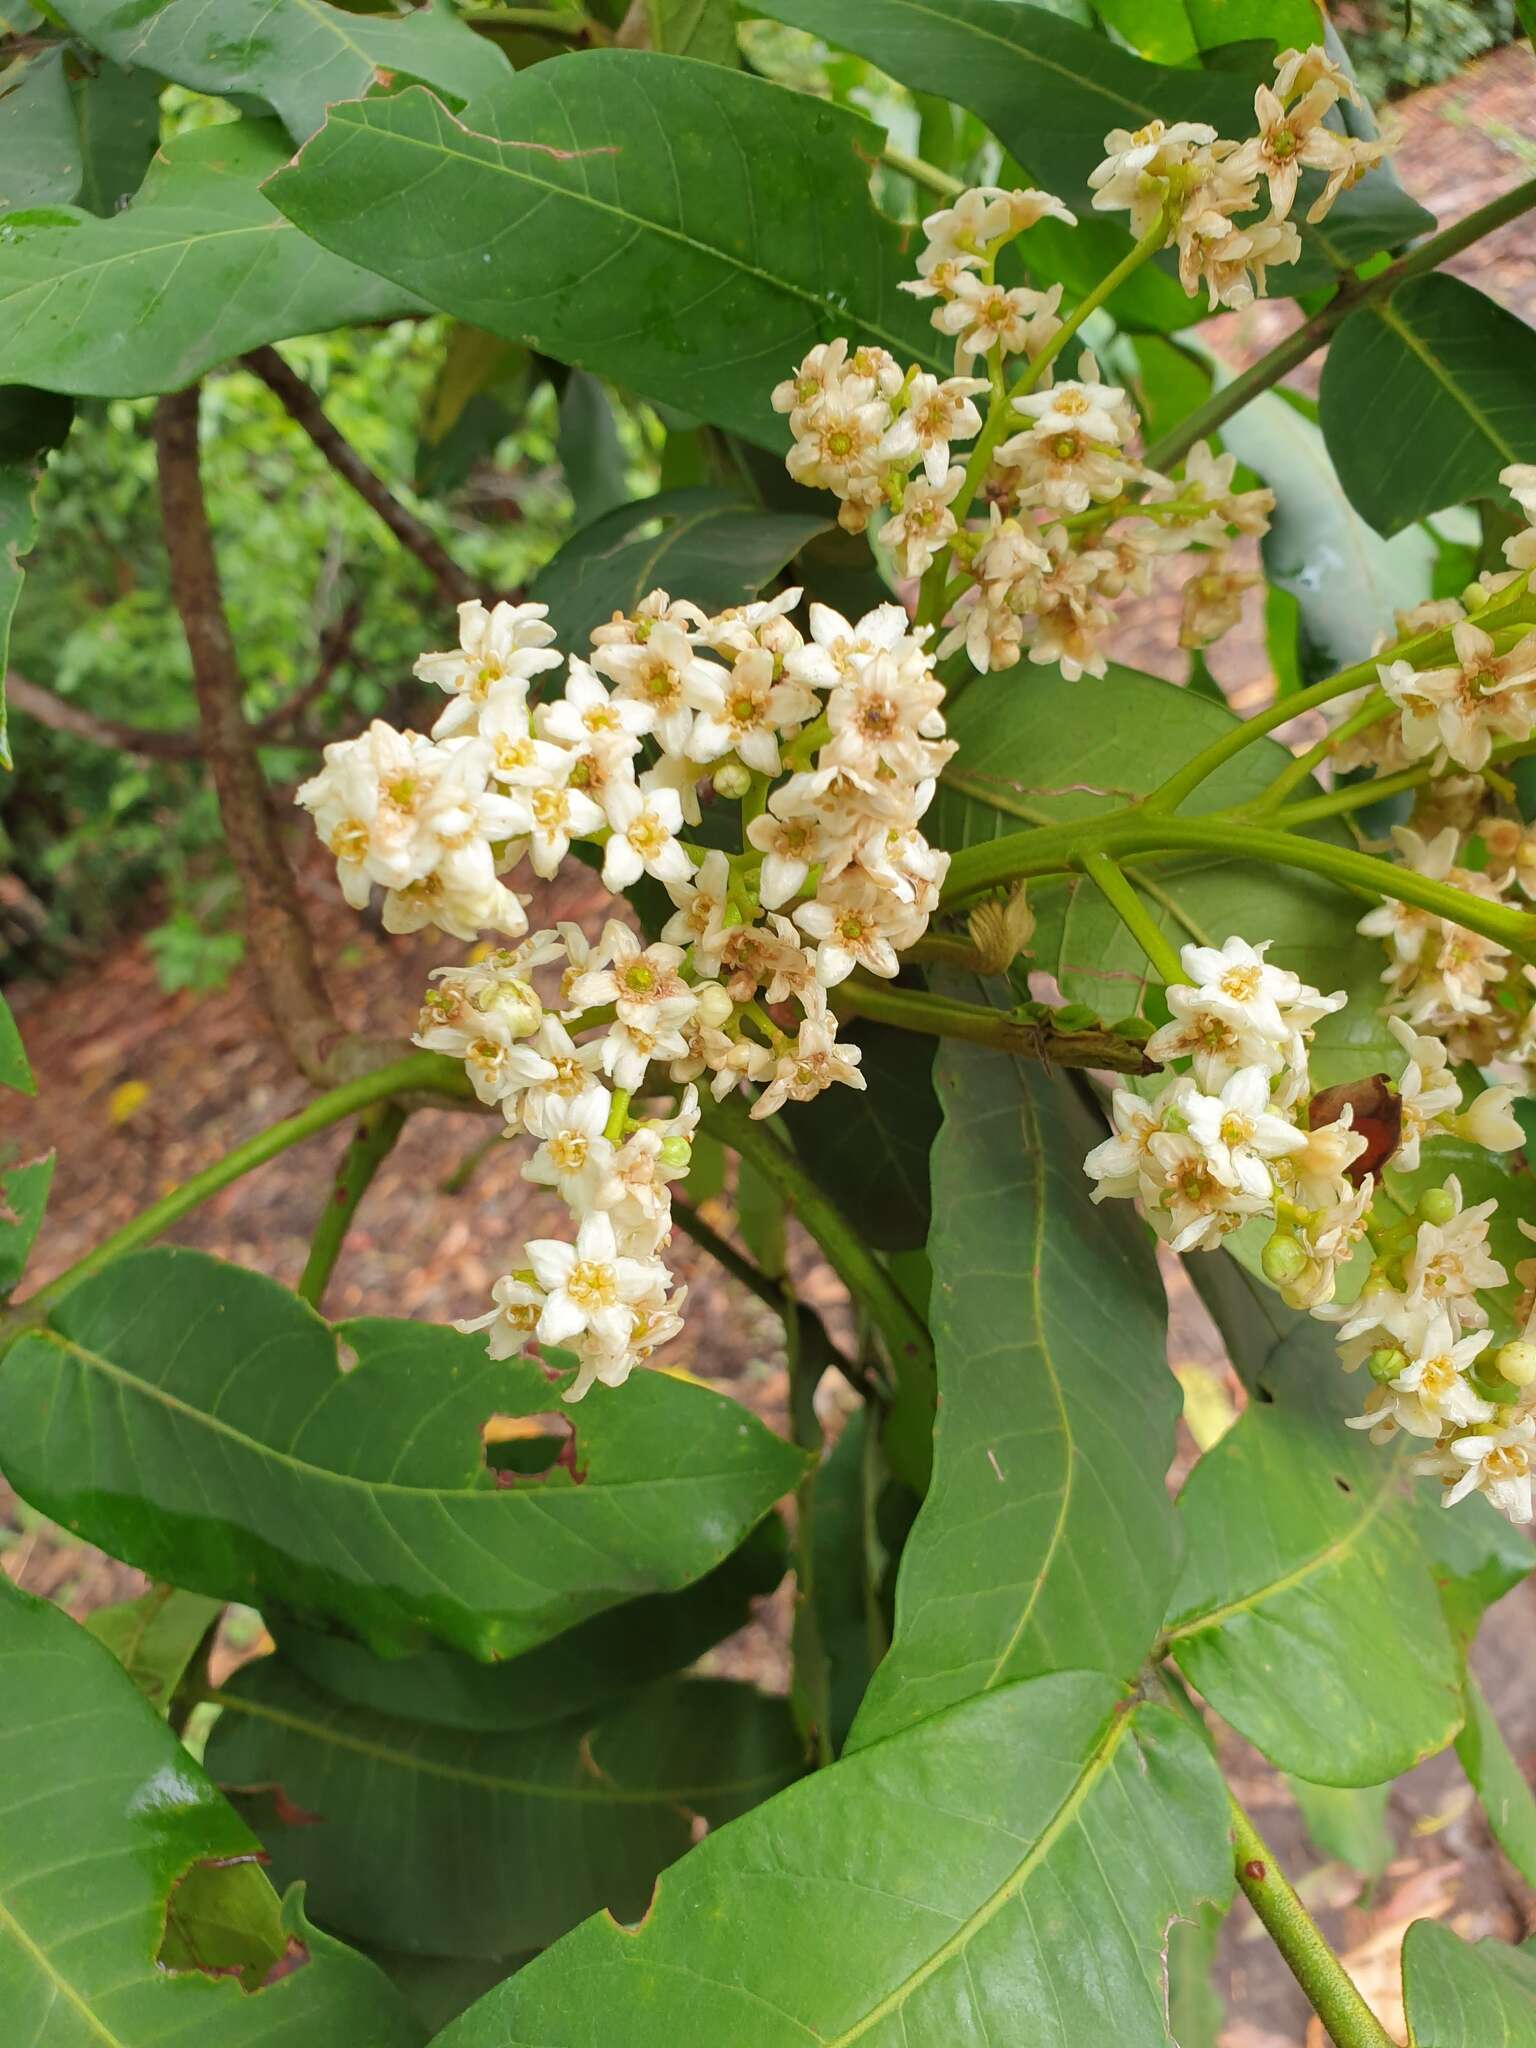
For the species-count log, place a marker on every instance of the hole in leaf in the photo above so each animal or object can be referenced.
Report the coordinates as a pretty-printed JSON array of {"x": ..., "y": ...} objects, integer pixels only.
[
  {"x": 1342, "y": 1484},
  {"x": 223, "y": 1919},
  {"x": 1262, "y": 1393},
  {"x": 524, "y": 1448}
]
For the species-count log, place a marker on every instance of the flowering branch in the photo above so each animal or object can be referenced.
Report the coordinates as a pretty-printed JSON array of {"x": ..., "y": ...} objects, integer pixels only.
[
  {"x": 978, "y": 1024},
  {"x": 1332, "y": 1992},
  {"x": 280, "y": 940},
  {"x": 1351, "y": 296},
  {"x": 307, "y": 413}
]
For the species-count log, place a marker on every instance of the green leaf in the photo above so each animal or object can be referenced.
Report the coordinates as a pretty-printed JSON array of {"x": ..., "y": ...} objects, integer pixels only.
[
  {"x": 872, "y": 1158},
  {"x": 156, "y": 1637},
  {"x": 846, "y": 1632},
  {"x": 18, "y": 533},
  {"x": 1348, "y": 1823},
  {"x": 295, "y": 55},
  {"x": 198, "y": 268},
  {"x": 1499, "y": 1782},
  {"x": 695, "y": 28},
  {"x": 14, "y": 1070},
  {"x": 1176, "y": 31},
  {"x": 728, "y": 219},
  {"x": 1195, "y": 2009},
  {"x": 427, "y": 1837},
  {"x": 1460, "y": 367},
  {"x": 589, "y": 451},
  {"x": 702, "y": 544},
  {"x": 439, "y": 1988},
  {"x": 585, "y": 1667},
  {"x": 1046, "y": 1540},
  {"x": 1467, "y": 1994},
  {"x": 118, "y": 113},
  {"x": 1348, "y": 581},
  {"x": 1306, "y": 1569},
  {"x": 933, "y": 1888},
  {"x": 104, "y": 1817},
  {"x": 23, "y": 1200},
  {"x": 217, "y": 1443},
  {"x": 1030, "y": 754},
  {"x": 39, "y": 139}
]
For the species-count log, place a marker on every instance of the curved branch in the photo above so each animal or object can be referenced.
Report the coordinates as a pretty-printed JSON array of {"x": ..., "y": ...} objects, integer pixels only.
[
  {"x": 282, "y": 947},
  {"x": 306, "y": 412}
]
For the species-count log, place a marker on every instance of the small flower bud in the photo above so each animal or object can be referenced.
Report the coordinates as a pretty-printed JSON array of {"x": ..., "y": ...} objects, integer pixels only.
[
  {"x": 1283, "y": 1259},
  {"x": 732, "y": 780},
  {"x": 1474, "y": 597},
  {"x": 1490, "y": 1122},
  {"x": 1436, "y": 1205},
  {"x": 1516, "y": 1363},
  {"x": 715, "y": 1006},
  {"x": 676, "y": 1153},
  {"x": 1386, "y": 1362},
  {"x": 518, "y": 1007}
]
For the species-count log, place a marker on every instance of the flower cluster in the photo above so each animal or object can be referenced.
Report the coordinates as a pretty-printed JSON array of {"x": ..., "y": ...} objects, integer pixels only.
[
  {"x": 830, "y": 741},
  {"x": 1074, "y": 516},
  {"x": 1242, "y": 1134}
]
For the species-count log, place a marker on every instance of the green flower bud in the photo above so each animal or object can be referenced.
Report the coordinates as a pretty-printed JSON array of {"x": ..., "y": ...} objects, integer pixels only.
[
  {"x": 676, "y": 1152},
  {"x": 1516, "y": 1363},
  {"x": 732, "y": 780},
  {"x": 1386, "y": 1363},
  {"x": 1437, "y": 1205},
  {"x": 1283, "y": 1259}
]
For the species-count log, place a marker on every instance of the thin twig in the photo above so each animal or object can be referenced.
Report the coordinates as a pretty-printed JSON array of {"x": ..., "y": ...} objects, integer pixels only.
[
  {"x": 60, "y": 714},
  {"x": 281, "y": 945},
  {"x": 306, "y": 412},
  {"x": 369, "y": 1146}
]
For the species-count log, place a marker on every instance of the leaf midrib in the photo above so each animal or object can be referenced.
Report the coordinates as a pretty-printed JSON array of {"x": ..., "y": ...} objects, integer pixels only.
[
  {"x": 1095, "y": 1764},
  {"x": 46, "y": 1964},
  {"x": 353, "y": 114},
  {"x": 1214, "y": 1617},
  {"x": 605, "y": 1794},
  {"x": 1391, "y": 320}
]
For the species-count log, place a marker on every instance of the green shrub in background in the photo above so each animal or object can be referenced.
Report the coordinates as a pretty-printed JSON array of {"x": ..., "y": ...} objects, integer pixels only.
[{"x": 1399, "y": 45}]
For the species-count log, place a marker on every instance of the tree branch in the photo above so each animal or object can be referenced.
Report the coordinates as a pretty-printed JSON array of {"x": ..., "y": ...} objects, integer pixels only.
[
  {"x": 305, "y": 410},
  {"x": 282, "y": 947},
  {"x": 60, "y": 714}
]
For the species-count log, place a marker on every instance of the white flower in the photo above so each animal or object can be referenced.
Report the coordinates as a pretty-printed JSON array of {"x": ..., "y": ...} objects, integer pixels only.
[
  {"x": 1240, "y": 1133},
  {"x": 1498, "y": 1463},
  {"x": 699, "y": 899},
  {"x": 1317, "y": 1172},
  {"x": 550, "y": 815},
  {"x": 577, "y": 1158},
  {"x": 1187, "y": 1202},
  {"x": 1428, "y": 1090},
  {"x": 1458, "y": 710},
  {"x": 1450, "y": 1261},
  {"x": 755, "y": 711},
  {"x": 513, "y": 1320},
  {"x": 644, "y": 841},
  {"x": 924, "y": 524},
  {"x": 1098, "y": 411},
  {"x": 982, "y": 316},
  {"x": 550, "y": 1074},
  {"x": 788, "y": 847},
  {"x": 817, "y": 1061},
  {"x": 667, "y": 680},
  {"x": 1490, "y": 1122},
  {"x": 507, "y": 644},
  {"x": 1431, "y": 1393},
  {"x": 638, "y": 979},
  {"x": 586, "y": 717},
  {"x": 1117, "y": 1165},
  {"x": 588, "y": 1286},
  {"x": 936, "y": 414}
]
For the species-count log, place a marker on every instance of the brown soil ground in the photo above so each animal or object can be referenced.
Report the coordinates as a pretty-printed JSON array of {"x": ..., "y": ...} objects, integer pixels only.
[{"x": 138, "y": 1090}]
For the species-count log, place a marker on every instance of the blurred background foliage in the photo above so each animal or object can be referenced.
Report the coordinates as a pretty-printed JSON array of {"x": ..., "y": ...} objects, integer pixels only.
[{"x": 502, "y": 454}]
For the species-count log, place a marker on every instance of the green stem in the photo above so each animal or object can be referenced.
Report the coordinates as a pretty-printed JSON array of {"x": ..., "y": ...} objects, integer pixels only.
[
  {"x": 1377, "y": 706},
  {"x": 998, "y": 419},
  {"x": 905, "y": 1333},
  {"x": 944, "y": 1017},
  {"x": 1130, "y": 831},
  {"x": 1128, "y": 907},
  {"x": 422, "y": 1070},
  {"x": 1348, "y": 2019},
  {"x": 370, "y": 1145},
  {"x": 572, "y": 24},
  {"x": 1350, "y": 298},
  {"x": 1355, "y": 795},
  {"x": 922, "y": 173}
]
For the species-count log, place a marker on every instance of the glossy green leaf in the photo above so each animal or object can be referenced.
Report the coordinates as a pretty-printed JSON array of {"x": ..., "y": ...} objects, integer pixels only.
[
  {"x": 1348, "y": 1823},
  {"x": 1500, "y": 1784},
  {"x": 426, "y": 1837},
  {"x": 588, "y": 447},
  {"x": 198, "y": 268},
  {"x": 216, "y": 1442},
  {"x": 23, "y": 1200},
  {"x": 295, "y": 55},
  {"x": 39, "y": 139},
  {"x": 156, "y": 1637},
  {"x": 726, "y": 219},
  {"x": 702, "y": 544},
  {"x": 1195, "y": 2009},
  {"x": 872, "y": 1157},
  {"x": 1176, "y": 31},
  {"x": 1467, "y": 1994},
  {"x": 1348, "y": 581},
  {"x": 102, "y": 1815},
  {"x": 614, "y": 1653},
  {"x": 1307, "y": 1564},
  {"x": 1046, "y": 1541},
  {"x": 695, "y": 28},
  {"x": 1441, "y": 354},
  {"x": 840, "y": 1632},
  {"x": 118, "y": 113},
  {"x": 14, "y": 1070},
  {"x": 1037, "y": 751},
  {"x": 933, "y": 1889}
]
